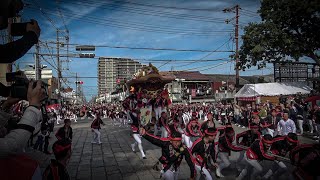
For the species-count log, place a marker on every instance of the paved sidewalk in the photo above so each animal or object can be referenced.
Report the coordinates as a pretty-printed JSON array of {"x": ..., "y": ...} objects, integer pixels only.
[{"x": 114, "y": 159}]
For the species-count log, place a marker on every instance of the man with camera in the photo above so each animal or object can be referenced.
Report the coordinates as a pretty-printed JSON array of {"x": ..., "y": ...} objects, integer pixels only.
[
  {"x": 17, "y": 138},
  {"x": 30, "y": 32},
  {"x": 11, "y": 160}
]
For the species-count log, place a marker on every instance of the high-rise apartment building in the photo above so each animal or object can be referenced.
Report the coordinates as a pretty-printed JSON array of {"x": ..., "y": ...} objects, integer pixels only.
[{"x": 113, "y": 70}]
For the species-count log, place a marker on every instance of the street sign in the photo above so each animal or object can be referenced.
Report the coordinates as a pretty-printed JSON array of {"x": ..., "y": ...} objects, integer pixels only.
[{"x": 85, "y": 48}]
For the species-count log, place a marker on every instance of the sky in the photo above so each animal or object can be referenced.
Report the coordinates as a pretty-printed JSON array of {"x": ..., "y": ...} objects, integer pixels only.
[{"x": 170, "y": 24}]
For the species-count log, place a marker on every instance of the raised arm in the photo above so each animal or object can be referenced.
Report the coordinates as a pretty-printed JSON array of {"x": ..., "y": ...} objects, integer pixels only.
[{"x": 161, "y": 142}]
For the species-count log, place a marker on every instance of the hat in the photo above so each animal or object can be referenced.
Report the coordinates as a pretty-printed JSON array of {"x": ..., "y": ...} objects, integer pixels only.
[
  {"x": 211, "y": 131},
  {"x": 267, "y": 138},
  {"x": 255, "y": 112}
]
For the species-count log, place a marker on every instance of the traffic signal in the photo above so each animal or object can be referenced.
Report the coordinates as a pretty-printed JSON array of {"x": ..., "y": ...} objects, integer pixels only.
[
  {"x": 79, "y": 82},
  {"x": 87, "y": 55},
  {"x": 85, "y": 48}
]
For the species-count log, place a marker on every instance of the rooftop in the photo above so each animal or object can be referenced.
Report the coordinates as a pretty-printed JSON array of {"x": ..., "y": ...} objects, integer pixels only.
[{"x": 226, "y": 78}]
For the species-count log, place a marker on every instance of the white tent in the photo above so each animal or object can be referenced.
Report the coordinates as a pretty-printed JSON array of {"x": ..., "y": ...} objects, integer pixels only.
[{"x": 272, "y": 89}]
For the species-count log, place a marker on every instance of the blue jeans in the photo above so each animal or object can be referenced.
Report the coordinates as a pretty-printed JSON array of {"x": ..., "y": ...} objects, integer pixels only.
[
  {"x": 237, "y": 119},
  {"x": 39, "y": 143}
]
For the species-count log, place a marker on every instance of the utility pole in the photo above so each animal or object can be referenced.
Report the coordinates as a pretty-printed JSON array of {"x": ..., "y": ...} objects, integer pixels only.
[
  {"x": 235, "y": 9},
  {"x": 237, "y": 46},
  {"x": 37, "y": 65},
  {"x": 67, "y": 41},
  {"x": 59, "y": 66},
  {"x": 10, "y": 39},
  {"x": 76, "y": 86}
]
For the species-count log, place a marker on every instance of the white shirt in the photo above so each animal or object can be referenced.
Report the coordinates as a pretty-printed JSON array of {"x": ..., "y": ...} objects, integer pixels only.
[{"x": 286, "y": 127}]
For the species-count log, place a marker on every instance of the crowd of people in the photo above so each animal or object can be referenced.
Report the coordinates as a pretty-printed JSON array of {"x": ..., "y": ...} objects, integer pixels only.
[
  {"x": 190, "y": 131},
  {"x": 201, "y": 133}
]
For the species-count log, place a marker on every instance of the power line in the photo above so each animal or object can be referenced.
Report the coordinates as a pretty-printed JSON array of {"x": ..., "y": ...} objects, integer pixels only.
[
  {"x": 51, "y": 53},
  {"x": 61, "y": 15},
  {"x": 149, "y": 60},
  {"x": 249, "y": 11},
  {"x": 143, "y": 24},
  {"x": 143, "y": 27},
  {"x": 216, "y": 66},
  {"x": 153, "y": 49},
  {"x": 153, "y": 12},
  {"x": 208, "y": 53},
  {"x": 249, "y": 15},
  {"x": 199, "y": 67},
  {"x": 170, "y": 7},
  {"x": 48, "y": 62},
  {"x": 44, "y": 14},
  {"x": 142, "y": 59}
]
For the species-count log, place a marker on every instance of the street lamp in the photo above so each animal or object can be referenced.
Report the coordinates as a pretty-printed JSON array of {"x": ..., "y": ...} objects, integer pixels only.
[{"x": 33, "y": 66}]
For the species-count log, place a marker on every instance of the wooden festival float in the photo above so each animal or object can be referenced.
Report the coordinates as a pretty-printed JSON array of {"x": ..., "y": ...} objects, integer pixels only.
[{"x": 146, "y": 87}]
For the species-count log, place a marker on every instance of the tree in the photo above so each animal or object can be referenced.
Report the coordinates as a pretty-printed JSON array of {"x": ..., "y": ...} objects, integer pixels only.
[{"x": 289, "y": 28}]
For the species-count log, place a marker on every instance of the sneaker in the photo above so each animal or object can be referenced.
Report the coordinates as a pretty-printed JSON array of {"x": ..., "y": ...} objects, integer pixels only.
[
  {"x": 99, "y": 142},
  {"x": 236, "y": 124},
  {"x": 144, "y": 157},
  {"x": 243, "y": 127},
  {"x": 132, "y": 147},
  {"x": 93, "y": 142},
  {"x": 218, "y": 173},
  {"x": 315, "y": 137}
]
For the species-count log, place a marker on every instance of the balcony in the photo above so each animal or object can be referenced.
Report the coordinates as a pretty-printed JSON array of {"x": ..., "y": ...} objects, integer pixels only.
[{"x": 224, "y": 95}]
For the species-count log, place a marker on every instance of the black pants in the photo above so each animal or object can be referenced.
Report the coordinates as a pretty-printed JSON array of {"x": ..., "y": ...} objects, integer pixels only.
[
  {"x": 46, "y": 144},
  {"x": 39, "y": 143}
]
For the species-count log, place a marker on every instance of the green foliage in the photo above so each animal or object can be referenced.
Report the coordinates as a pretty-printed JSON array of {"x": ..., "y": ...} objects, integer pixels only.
[{"x": 288, "y": 28}]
